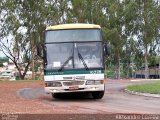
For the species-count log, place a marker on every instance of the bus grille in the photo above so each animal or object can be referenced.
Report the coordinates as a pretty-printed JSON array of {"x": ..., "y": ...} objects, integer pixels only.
[{"x": 71, "y": 83}]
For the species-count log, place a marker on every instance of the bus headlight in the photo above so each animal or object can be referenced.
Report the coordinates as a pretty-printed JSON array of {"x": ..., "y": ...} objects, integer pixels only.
[
  {"x": 97, "y": 82},
  {"x": 53, "y": 84},
  {"x": 90, "y": 82},
  {"x": 56, "y": 84},
  {"x": 94, "y": 82},
  {"x": 48, "y": 84}
]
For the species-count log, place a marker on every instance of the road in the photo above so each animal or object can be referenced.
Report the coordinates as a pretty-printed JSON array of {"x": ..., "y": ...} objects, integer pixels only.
[{"x": 115, "y": 100}]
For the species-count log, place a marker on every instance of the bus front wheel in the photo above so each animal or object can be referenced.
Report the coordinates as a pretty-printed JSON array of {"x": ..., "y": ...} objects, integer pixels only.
[
  {"x": 55, "y": 95},
  {"x": 98, "y": 94}
]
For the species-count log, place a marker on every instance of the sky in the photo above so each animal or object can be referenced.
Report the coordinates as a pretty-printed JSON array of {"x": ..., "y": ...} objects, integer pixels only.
[{"x": 1, "y": 54}]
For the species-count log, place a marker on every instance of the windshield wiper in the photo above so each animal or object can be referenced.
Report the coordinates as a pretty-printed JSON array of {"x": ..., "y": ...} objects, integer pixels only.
[
  {"x": 65, "y": 63},
  {"x": 80, "y": 57},
  {"x": 85, "y": 65}
]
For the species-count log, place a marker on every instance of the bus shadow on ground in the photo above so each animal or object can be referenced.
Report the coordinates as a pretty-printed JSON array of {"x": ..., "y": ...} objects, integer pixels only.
[
  {"x": 73, "y": 96},
  {"x": 69, "y": 97}
]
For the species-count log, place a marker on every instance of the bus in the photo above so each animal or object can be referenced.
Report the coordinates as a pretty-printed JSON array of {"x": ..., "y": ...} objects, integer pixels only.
[{"x": 73, "y": 59}]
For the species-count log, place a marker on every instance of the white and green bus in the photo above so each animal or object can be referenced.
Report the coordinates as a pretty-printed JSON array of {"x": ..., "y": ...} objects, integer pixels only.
[{"x": 73, "y": 59}]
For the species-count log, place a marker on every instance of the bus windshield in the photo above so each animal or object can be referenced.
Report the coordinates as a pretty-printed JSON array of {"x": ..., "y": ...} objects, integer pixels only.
[{"x": 74, "y": 55}]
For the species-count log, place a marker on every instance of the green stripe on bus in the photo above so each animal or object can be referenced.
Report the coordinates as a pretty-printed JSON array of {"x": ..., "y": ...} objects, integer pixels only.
[{"x": 75, "y": 72}]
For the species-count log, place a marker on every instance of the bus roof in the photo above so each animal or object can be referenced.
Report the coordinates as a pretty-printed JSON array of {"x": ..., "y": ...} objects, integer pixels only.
[{"x": 72, "y": 26}]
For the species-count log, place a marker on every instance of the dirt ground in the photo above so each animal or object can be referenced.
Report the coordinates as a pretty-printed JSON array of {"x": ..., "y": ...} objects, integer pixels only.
[
  {"x": 14, "y": 107},
  {"x": 10, "y": 102}
]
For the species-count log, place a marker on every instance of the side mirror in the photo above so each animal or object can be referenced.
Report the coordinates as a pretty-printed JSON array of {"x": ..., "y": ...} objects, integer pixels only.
[
  {"x": 40, "y": 50},
  {"x": 107, "y": 49}
]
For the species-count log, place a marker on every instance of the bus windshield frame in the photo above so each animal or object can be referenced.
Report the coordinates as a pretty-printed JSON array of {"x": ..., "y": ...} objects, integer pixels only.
[{"x": 76, "y": 53}]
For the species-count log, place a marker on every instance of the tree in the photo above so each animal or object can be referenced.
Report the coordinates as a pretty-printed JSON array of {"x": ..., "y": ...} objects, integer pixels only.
[
  {"x": 132, "y": 19},
  {"x": 33, "y": 15},
  {"x": 125, "y": 24},
  {"x": 114, "y": 30},
  {"x": 86, "y": 11},
  {"x": 147, "y": 26},
  {"x": 13, "y": 42},
  {"x": 23, "y": 24},
  {"x": 128, "y": 56},
  {"x": 3, "y": 60}
]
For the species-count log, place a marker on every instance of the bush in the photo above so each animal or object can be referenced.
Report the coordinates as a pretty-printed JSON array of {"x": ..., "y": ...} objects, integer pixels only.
[{"x": 17, "y": 77}]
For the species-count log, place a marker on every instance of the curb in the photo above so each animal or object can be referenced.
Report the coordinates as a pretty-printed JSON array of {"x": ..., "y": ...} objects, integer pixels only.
[
  {"x": 135, "y": 80},
  {"x": 142, "y": 94}
]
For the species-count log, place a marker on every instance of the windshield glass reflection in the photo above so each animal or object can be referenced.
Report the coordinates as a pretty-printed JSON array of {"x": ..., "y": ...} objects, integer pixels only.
[{"x": 61, "y": 56}]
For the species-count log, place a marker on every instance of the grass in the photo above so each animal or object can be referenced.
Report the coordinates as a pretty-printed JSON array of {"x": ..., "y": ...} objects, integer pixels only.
[{"x": 152, "y": 88}]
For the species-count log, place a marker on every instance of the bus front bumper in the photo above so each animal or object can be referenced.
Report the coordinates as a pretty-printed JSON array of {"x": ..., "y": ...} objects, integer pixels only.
[{"x": 80, "y": 88}]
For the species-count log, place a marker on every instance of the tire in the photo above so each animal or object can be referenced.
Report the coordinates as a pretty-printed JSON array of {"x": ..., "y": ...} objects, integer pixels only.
[
  {"x": 55, "y": 95},
  {"x": 98, "y": 94}
]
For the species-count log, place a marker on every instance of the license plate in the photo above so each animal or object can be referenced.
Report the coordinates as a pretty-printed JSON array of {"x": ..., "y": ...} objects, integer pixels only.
[{"x": 73, "y": 88}]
